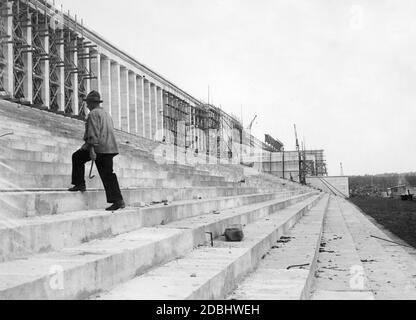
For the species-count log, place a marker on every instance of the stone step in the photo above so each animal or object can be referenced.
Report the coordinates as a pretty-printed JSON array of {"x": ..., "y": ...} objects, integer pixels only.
[
  {"x": 70, "y": 142},
  {"x": 64, "y": 156},
  {"x": 389, "y": 269},
  {"x": 64, "y": 127},
  {"x": 212, "y": 272},
  {"x": 25, "y": 237},
  {"x": 339, "y": 274},
  {"x": 10, "y": 156},
  {"x": 17, "y": 131},
  {"x": 21, "y": 167},
  {"x": 16, "y": 127},
  {"x": 23, "y": 150},
  {"x": 40, "y": 234},
  {"x": 52, "y": 202},
  {"x": 11, "y": 181},
  {"x": 51, "y": 141},
  {"x": 23, "y": 145},
  {"x": 32, "y": 132},
  {"x": 287, "y": 270},
  {"x": 12, "y": 114},
  {"x": 66, "y": 150},
  {"x": 81, "y": 271}
]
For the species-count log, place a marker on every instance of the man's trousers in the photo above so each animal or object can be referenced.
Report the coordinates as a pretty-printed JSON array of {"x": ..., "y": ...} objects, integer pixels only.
[{"x": 104, "y": 165}]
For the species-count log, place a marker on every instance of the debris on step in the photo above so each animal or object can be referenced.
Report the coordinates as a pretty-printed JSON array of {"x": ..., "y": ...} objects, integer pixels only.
[
  {"x": 215, "y": 212},
  {"x": 284, "y": 240},
  {"x": 368, "y": 261},
  {"x": 334, "y": 268},
  {"x": 193, "y": 275},
  {"x": 154, "y": 203},
  {"x": 6, "y": 134},
  {"x": 211, "y": 238},
  {"x": 234, "y": 233},
  {"x": 322, "y": 250},
  {"x": 298, "y": 266},
  {"x": 139, "y": 205}
]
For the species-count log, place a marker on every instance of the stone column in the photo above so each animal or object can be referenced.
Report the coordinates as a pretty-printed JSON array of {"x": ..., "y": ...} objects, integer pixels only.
[
  {"x": 160, "y": 114},
  {"x": 133, "y": 103},
  {"x": 8, "y": 74},
  {"x": 178, "y": 129},
  {"x": 105, "y": 80},
  {"x": 153, "y": 110},
  {"x": 124, "y": 99},
  {"x": 164, "y": 102},
  {"x": 46, "y": 74},
  {"x": 28, "y": 61},
  {"x": 168, "y": 102},
  {"x": 96, "y": 70},
  {"x": 140, "y": 106},
  {"x": 156, "y": 121},
  {"x": 201, "y": 142},
  {"x": 147, "y": 113},
  {"x": 61, "y": 72},
  {"x": 88, "y": 66},
  {"x": 115, "y": 95},
  {"x": 75, "y": 98}
]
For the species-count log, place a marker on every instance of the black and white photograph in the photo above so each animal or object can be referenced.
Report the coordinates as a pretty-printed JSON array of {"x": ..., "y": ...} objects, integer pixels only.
[{"x": 230, "y": 152}]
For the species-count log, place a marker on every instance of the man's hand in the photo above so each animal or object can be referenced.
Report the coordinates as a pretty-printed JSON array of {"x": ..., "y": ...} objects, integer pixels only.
[{"x": 93, "y": 155}]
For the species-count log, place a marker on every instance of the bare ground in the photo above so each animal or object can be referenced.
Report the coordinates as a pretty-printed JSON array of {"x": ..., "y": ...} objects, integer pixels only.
[{"x": 395, "y": 215}]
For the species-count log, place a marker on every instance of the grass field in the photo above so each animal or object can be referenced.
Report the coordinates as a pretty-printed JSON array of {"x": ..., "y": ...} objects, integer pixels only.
[{"x": 399, "y": 217}]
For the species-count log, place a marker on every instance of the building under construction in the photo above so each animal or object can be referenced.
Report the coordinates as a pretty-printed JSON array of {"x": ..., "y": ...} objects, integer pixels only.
[
  {"x": 50, "y": 60},
  {"x": 296, "y": 165}
]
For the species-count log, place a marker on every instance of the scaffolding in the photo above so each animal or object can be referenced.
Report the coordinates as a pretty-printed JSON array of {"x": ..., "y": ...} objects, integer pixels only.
[
  {"x": 42, "y": 47},
  {"x": 46, "y": 61},
  {"x": 218, "y": 129},
  {"x": 20, "y": 17},
  {"x": 86, "y": 54},
  {"x": 175, "y": 114},
  {"x": 285, "y": 164},
  {"x": 4, "y": 38},
  {"x": 39, "y": 24},
  {"x": 56, "y": 63},
  {"x": 314, "y": 163}
]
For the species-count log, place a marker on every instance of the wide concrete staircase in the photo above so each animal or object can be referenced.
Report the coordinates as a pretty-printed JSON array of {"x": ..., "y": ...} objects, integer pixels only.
[
  {"x": 168, "y": 243},
  {"x": 60, "y": 245}
]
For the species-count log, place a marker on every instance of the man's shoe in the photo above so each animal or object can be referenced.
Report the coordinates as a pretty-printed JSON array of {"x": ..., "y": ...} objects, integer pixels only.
[
  {"x": 116, "y": 206},
  {"x": 77, "y": 188}
]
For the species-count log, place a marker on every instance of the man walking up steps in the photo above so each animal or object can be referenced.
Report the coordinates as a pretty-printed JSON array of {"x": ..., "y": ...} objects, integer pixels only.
[{"x": 100, "y": 146}]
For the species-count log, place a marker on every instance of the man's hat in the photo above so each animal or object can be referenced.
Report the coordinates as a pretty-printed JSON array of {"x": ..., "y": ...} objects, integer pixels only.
[{"x": 93, "y": 96}]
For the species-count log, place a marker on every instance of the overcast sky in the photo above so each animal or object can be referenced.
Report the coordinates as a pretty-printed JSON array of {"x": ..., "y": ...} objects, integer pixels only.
[{"x": 343, "y": 71}]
